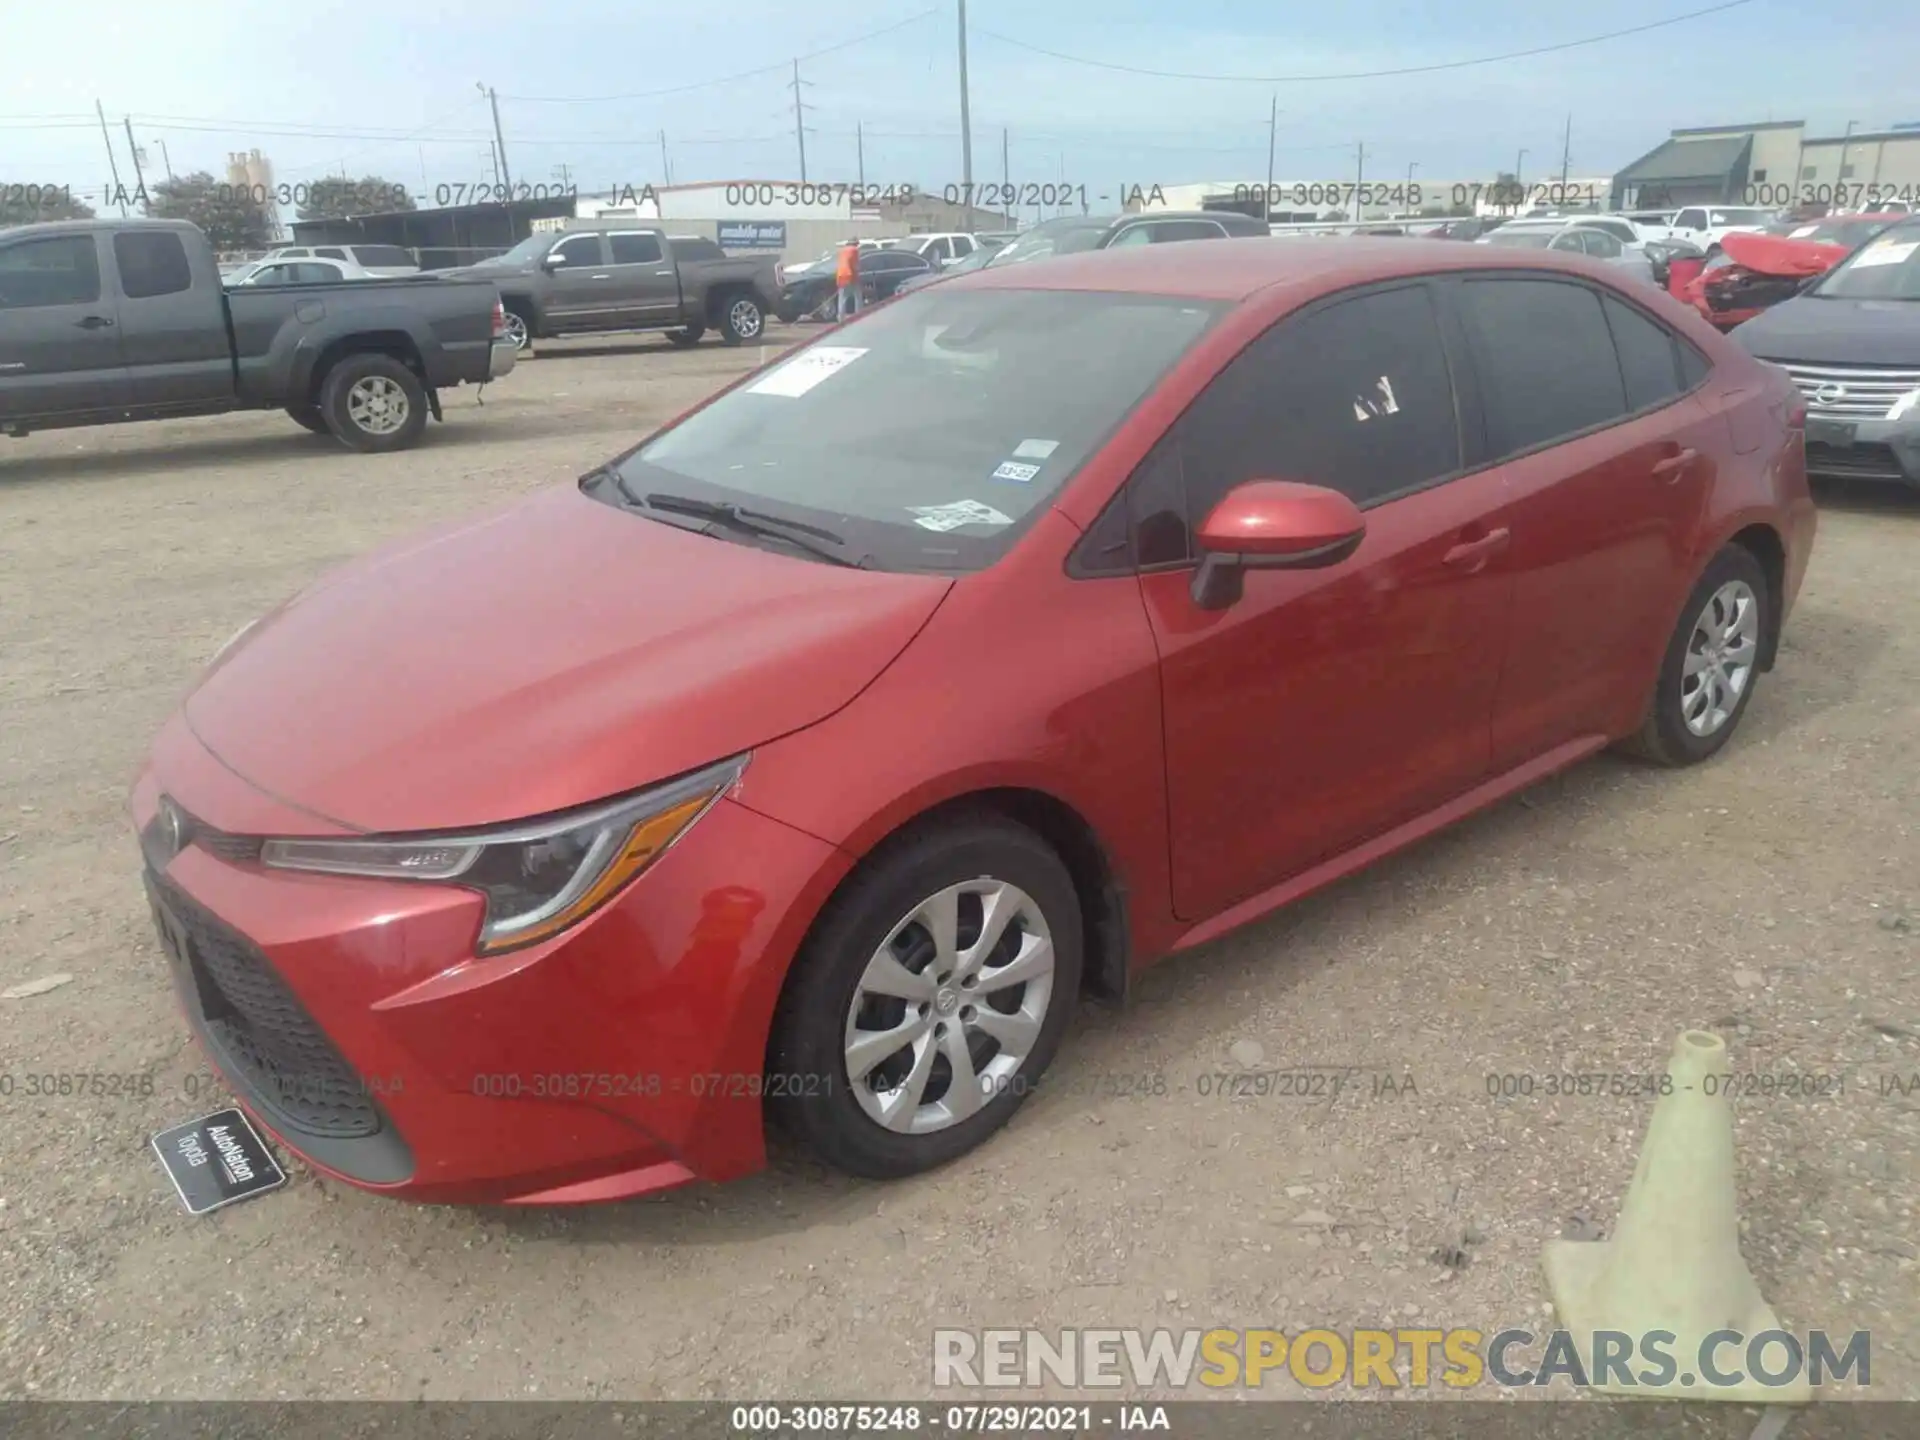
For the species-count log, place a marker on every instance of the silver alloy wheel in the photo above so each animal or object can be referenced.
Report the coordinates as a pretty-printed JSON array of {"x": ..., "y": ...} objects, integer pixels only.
[
  {"x": 745, "y": 319},
  {"x": 377, "y": 405},
  {"x": 516, "y": 331},
  {"x": 950, "y": 1006},
  {"x": 1720, "y": 657}
]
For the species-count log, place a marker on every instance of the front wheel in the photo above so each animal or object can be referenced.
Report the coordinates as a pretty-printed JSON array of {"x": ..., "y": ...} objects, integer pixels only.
[
  {"x": 930, "y": 999},
  {"x": 690, "y": 335},
  {"x": 1711, "y": 663},
  {"x": 373, "y": 403},
  {"x": 741, "y": 320}
]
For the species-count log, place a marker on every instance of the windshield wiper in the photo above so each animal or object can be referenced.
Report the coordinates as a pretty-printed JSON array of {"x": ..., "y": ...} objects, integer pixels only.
[{"x": 753, "y": 522}]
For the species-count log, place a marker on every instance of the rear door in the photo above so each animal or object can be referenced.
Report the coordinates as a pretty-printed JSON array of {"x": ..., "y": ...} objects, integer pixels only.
[
  {"x": 173, "y": 329},
  {"x": 1325, "y": 706},
  {"x": 646, "y": 287},
  {"x": 1608, "y": 460},
  {"x": 59, "y": 327},
  {"x": 579, "y": 291}
]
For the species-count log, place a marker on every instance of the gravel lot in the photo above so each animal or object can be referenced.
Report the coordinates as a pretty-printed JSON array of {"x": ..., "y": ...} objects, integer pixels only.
[{"x": 1774, "y": 894}]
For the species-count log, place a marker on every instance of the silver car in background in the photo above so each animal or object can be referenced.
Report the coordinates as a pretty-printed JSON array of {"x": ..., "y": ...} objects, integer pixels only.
[{"x": 1578, "y": 238}]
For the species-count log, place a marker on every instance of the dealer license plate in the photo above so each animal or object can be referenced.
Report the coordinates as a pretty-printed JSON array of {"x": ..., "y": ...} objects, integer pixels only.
[{"x": 217, "y": 1160}]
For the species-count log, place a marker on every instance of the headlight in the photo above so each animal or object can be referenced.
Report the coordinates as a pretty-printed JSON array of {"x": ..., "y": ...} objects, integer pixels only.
[
  {"x": 1904, "y": 405},
  {"x": 538, "y": 878}
]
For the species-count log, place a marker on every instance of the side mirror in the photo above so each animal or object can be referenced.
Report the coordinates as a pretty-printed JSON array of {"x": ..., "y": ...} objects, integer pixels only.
[
  {"x": 551, "y": 262},
  {"x": 1272, "y": 525}
]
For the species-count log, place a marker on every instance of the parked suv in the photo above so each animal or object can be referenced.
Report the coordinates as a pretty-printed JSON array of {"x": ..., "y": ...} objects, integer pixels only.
[{"x": 375, "y": 259}]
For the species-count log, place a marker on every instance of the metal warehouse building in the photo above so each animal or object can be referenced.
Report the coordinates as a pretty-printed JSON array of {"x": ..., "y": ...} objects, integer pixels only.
[{"x": 1775, "y": 163}]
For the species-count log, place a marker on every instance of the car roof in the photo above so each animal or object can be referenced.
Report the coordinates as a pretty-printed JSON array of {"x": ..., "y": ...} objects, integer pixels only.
[{"x": 1236, "y": 268}]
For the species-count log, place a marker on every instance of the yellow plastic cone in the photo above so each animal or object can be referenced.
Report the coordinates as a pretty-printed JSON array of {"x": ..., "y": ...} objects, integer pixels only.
[{"x": 1674, "y": 1260}]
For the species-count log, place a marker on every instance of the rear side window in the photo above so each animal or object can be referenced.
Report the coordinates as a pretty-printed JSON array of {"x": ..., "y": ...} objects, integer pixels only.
[
  {"x": 1173, "y": 230},
  {"x": 1546, "y": 359},
  {"x": 382, "y": 257},
  {"x": 635, "y": 249},
  {"x": 1649, "y": 363},
  {"x": 332, "y": 254},
  {"x": 695, "y": 247},
  {"x": 152, "y": 262},
  {"x": 1356, "y": 396},
  {"x": 60, "y": 270}
]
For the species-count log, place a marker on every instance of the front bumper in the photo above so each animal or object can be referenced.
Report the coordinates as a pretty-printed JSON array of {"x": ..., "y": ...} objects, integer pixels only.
[
  {"x": 1855, "y": 449},
  {"x": 351, "y": 1019},
  {"x": 505, "y": 355}
]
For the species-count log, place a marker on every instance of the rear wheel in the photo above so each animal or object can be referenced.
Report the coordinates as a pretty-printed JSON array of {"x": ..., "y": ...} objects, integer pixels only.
[
  {"x": 930, "y": 1000},
  {"x": 373, "y": 403},
  {"x": 687, "y": 336},
  {"x": 519, "y": 329},
  {"x": 1712, "y": 661}
]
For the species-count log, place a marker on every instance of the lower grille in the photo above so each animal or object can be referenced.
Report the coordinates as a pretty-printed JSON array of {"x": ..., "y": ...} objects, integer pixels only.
[
  {"x": 1863, "y": 462},
  {"x": 256, "y": 1022}
]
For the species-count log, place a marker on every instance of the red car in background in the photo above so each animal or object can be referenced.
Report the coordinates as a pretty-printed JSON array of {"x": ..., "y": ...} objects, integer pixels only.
[
  {"x": 1752, "y": 272},
  {"x": 813, "y": 758}
]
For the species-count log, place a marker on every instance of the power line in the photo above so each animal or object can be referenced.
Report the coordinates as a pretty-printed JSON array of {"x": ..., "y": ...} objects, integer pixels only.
[
  {"x": 1366, "y": 74},
  {"x": 724, "y": 79}
]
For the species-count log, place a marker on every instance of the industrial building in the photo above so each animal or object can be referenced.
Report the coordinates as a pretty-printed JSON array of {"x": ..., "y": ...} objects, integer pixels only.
[{"x": 1773, "y": 163}]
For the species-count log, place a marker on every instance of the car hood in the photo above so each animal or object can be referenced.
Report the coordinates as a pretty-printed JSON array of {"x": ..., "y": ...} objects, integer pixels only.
[
  {"x": 546, "y": 656},
  {"x": 1815, "y": 331},
  {"x": 1778, "y": 255}
]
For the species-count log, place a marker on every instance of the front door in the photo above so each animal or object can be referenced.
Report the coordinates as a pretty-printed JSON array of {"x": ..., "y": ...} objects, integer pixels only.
[
  {"x": 59, "y": 329},
  {"x": 580, "y": 285},
  {"x": 1609, "y": 463},
  {"x": 1325, "y": 706}
]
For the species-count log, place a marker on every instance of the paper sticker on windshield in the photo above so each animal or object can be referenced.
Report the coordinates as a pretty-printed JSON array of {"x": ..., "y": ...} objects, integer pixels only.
[
  {"x": 953, "y": 516},
  {"x": 806, "y": 370},
  {"x": 1884, "y": 252},
  {"x": 1802, "y": 231},
  {"x": 1035, "y": 449},
  {"x": 1013, "y": 470}
]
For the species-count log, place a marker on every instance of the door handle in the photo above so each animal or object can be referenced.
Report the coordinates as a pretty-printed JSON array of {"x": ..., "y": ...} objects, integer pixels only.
[
  {"x": 602, "y": 277},
  {"x": 1674, "y": 466},
  {"x": 1477, "y": 552},
  {"x": 95, "y": 322}
]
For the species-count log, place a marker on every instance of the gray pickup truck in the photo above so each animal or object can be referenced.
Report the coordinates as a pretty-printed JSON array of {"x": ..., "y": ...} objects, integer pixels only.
[
  {"x": 104, "y": 321},
  {"x": 589, "y": 278}
]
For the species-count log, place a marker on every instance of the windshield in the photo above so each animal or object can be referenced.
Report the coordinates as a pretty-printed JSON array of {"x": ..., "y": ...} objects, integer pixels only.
[
  {"x": 1836, "y": 232},
  {"x": 1064, "y": 236},
  {"x": 1886, "y": 269},
  {"x": 925, "y": 431},
  {"x": 1521, "y": 239},
  {"x": 525, "y": 253}
]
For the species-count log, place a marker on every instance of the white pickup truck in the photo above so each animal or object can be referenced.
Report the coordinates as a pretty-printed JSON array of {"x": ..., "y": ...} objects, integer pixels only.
[{"x": 1703, "y": 225}]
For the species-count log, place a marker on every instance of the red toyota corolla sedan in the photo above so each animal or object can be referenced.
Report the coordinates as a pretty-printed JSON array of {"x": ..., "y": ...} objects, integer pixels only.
[{"x": 812, "y": 759}]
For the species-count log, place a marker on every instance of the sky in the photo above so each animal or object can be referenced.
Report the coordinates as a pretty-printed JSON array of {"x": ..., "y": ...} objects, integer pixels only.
[{"x": 392, "y": 90}]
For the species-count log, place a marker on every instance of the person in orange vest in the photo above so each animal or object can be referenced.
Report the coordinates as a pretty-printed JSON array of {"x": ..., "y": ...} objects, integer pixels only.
[{"x": 847, "y": 277}]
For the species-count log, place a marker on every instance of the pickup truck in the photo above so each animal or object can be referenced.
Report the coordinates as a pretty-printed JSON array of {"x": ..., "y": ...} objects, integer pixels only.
[
  {"x": 582, "y": 280},
  {"x": 104, "y": 321}
]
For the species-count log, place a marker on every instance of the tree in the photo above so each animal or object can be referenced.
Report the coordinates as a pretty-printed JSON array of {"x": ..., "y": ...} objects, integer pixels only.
[
  {"x": 337, "y": 198},
  {"x": 232, "y": 215},
  {"x": 27, "y": 204}
]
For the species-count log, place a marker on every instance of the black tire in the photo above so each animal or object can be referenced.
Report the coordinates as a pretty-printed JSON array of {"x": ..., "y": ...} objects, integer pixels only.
[
  {"x": 687, "y": 336},
  {"x": 741, "y": 319},
  {"x": 309, "y": 417},
  {"x": 336, "y": 403},
  {"x": 1664, "y": 737},
  {"x": 787, "y": 312},
  {"x": 809, "y": 1084}
]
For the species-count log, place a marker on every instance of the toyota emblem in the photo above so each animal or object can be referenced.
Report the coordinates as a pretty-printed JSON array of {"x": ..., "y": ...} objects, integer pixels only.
[{"x": 1830, "y": 393}]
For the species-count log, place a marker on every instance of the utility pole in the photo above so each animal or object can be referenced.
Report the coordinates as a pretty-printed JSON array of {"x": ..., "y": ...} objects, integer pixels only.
[
  {"x": 1006, "y": 167},
  {"x": 165, "y": 158},
  {"x": 1566, "y": 157},
  {"x": 499, "y": 140},
  {"x": 666, "y": 165},
  {"x": 799, "y": 121},
  {"x": 565, "y": 176},
  {"x": 1273, "y": 132},
  {"x": 966, "y": 120},
  {"x": 139, "y": 180},
  {"x": 493, "y": 154},
  {"x": 1841, "y": 173},
  {"x": 1359, "y": 174},
  {"x": 860, "y": 151},
  {"x": 112, "y": 164}
]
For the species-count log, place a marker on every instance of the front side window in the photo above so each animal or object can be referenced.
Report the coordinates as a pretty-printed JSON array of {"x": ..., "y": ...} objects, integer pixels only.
[
  {"x": 1355, "y": 396},
  {"x": 59, "y": 270},
  {"x": 384, "y": 257},
  {"x": 1133, "y": 235},
  {"x": 1692, "y": 220},
  {"x": 578, "y": 250},
  {"x": 1514, "y": 239},
  {"x": 1547, "y": 361},
  {"x": 152, "y": 262},
  {"x": 1166, "y": 232},
  {"x": 635, "y": 249},
  {"x": 924, "y": 432},
  {"x": 1067, "y": 235},
  {"x": 1600, "y": 245}
]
